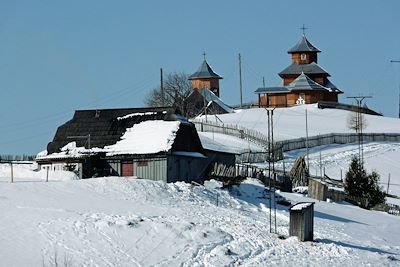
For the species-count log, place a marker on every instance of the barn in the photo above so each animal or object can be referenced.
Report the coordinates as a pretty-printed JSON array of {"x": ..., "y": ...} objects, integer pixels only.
[{"x": 150, "y": 143}]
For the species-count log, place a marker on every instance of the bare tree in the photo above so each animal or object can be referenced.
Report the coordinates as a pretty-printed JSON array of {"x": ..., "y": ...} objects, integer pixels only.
[
  {"x": 177, "y": 88},
  {"x": 356, "y": 121}
]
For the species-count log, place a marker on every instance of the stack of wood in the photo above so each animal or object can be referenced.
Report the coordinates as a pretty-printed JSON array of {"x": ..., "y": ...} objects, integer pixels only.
[
  {"x": 221, "y": 170},
  {"x": 299, "y": 173}
]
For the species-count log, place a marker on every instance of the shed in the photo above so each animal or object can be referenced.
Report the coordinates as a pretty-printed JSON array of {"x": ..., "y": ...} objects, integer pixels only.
[
  {"x": 302, "y": 221},
  {"x": 151, "y": 143}
]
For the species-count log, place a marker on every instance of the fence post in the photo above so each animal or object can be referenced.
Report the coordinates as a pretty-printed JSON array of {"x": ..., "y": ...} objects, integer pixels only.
[{"x": 47, "y": 174}]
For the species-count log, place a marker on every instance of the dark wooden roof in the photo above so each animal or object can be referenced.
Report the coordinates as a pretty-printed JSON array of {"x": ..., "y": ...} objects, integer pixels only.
[{"x": 106, "y": 126}]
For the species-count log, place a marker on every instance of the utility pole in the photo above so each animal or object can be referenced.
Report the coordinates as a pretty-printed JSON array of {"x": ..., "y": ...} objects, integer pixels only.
[
  {"x": 397, "y": 61},
  {"x": 359, "y": 126},
  {"x": 162, "y": 88},
  {"x": 271, "y": 156},
  {"x": 240, "y": 81}
]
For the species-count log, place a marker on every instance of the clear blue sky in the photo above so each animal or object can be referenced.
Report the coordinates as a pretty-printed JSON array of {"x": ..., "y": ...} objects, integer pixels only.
[{"x": 58, "y": 56}]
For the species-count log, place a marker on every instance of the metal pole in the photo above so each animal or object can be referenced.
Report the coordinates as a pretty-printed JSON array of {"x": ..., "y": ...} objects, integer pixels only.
[
  {"x": 387, "y": 191},
  {"x": 269, "y": 175},
  {"x": 308, "y": 159},
  {"x": 240, "y": 81}
]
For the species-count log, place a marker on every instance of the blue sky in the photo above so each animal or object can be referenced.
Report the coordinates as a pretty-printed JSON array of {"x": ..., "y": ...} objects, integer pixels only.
[{"x": 59, "y": 56}]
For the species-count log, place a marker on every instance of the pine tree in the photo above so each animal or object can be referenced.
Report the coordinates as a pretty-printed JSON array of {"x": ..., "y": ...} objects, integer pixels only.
[{"x": 359, "y": 184}]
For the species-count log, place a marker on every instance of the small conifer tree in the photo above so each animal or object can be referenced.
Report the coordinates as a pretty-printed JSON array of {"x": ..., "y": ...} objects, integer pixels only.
[{"x": 361, "y": 185}]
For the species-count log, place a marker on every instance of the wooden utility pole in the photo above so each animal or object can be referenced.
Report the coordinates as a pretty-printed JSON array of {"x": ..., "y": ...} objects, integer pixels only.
[
  {"x": 397, "y": 61},
  {"x": 240, "y": 81},
  {"x": 162, "y": 88}
]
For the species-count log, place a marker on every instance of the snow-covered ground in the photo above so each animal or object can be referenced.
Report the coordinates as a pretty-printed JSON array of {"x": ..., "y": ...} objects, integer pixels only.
[
  {"x": 290, "y": 123},
  {"x": 128, "y": 222}
]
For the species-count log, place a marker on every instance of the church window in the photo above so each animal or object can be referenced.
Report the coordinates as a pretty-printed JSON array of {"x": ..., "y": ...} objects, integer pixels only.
[{"x": 303, "y": 56}]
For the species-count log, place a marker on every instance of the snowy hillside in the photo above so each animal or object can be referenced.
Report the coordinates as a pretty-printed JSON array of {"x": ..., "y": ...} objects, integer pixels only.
[
  {"x": 128, "y": 222},
  {"x": 290, "y": 123}
]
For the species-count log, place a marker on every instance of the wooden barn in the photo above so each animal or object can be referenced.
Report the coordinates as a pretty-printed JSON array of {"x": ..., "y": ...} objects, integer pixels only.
[
  {"x": 303, "y": 82},
  {"x": 151, "y": 143}
]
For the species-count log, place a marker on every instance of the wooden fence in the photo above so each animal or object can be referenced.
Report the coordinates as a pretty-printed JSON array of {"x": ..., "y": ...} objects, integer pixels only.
[{"x": 336, "y": 138}]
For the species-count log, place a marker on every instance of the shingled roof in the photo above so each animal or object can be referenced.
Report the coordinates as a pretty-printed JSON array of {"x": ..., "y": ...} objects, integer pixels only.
[
  {"x": 295, "y": 69},
  {"x": 303, "y": 82},
  {"x": 107, "y": 126},
  {"x": 303, "y": 45},
  {"x": 204, "y": 72}
]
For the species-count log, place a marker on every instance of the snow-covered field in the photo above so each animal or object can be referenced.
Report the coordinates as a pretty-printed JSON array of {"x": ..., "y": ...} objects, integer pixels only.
[{"x": 128, "y": 222}]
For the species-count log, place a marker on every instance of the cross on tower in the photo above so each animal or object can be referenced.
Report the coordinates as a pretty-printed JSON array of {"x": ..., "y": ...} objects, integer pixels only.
[
  {"x": 304, "y": 29},
  {"x": 204, "y": 55}
]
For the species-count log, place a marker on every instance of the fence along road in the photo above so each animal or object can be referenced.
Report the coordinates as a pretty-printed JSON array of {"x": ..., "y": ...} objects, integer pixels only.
[{"x": 293, "y": 144}]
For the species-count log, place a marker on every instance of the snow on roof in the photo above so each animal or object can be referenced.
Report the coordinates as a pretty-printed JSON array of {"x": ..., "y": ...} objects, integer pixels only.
[
  {"x": 228, "y": 144},
  {"x": 70, "y": 150},
  {"x": 139, "y": 114},
  {"x": 147, "y": 137}
]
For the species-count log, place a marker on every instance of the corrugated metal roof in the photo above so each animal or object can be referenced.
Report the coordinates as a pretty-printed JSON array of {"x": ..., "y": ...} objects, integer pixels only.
[
  {"x": 303, "y": 45},
  {"x": 312, "y": 68},
  {"x": 204, "y": 72}
]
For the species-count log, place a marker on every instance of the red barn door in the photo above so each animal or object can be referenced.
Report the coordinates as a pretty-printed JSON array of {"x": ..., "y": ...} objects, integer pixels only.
[{"x": 127, "y": 168}]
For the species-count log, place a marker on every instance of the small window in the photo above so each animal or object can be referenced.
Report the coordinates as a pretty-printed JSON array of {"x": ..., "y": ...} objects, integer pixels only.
[
  {"x": 303, "y": 57},
  {"x": 142, "y": 163}
]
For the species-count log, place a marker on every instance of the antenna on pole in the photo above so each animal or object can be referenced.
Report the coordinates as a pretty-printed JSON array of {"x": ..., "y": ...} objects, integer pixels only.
[{"x": 240, "y": 81}]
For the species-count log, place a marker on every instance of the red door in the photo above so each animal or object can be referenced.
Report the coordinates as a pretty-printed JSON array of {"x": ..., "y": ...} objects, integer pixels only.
[{"x": 127, "y": 168}]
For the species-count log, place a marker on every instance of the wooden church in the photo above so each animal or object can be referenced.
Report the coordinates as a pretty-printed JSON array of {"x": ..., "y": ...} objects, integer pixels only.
[
  {"x": 304, "y": 81},
  {"x": 204, "y": 98}
]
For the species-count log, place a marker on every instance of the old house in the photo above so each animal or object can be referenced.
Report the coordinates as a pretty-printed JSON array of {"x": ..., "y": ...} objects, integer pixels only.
[
  {"x": 151, "y": 143},
  {"x": 204, "y": 98},
  {"x": 303, "y": 81}
]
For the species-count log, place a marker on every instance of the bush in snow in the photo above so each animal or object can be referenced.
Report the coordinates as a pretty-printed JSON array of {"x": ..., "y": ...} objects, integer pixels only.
[{"x": 359, "y": 184}]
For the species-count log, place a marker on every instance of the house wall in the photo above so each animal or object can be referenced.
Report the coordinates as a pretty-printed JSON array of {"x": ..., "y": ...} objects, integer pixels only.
[
  {"x": 277, "y": 100},
  {"x": 310, "y": 57},
  {"x": 151, "y": 169},
  {"x": 186, "y": 169},
  {"x": 212, "y": 84},
  {"x": 61, "y": 166}
]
